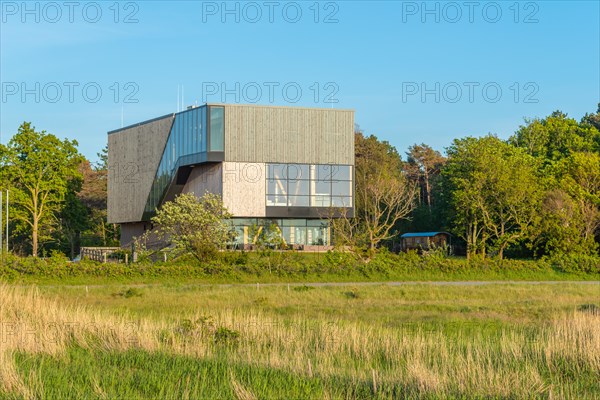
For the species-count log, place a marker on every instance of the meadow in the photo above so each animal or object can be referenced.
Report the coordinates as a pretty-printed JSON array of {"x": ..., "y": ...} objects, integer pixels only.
[{"x": 344, "y": 341}]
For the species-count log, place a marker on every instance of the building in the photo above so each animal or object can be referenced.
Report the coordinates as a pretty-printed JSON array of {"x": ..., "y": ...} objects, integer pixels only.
[
  {"x": 284, "y": 166},
  {"x": 425, "y": 240}
]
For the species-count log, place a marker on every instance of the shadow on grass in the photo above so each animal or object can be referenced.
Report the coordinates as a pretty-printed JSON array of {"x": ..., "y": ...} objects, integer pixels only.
[{"x": 137, "y": 374}]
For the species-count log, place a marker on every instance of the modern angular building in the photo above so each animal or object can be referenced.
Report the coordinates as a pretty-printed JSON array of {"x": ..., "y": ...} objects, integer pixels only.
[{"x": 287, "y": 166}]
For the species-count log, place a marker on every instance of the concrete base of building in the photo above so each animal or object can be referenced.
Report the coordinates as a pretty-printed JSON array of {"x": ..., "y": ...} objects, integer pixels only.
[{"x": 130, "y": 231}]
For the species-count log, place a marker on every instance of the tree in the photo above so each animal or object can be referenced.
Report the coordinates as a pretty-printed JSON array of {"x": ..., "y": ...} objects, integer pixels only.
[
  {"x": 194, "y": 225},
  {"x": 102, "y": 164},
  {"x": 73, "y": 217},
  {"x": 592, "y": 119},
  {"x": 423, "y": 166},
  {"x": 463, "y": 186},
  {"x": 514, "y": 197},
  {"x": 38, "y": 168},
  {"x": 561, "y": 221},
  {"x": 93, "y": 195},
  {"x": 83, "y": 215},
  {"x": 494, "y": 193},
  {"x": 555, "y": 137},
  {"x": 572, "y": 205},
  {"x": 568, "y": 153},
  {"x": 384, "y": 195},
  {"x": 581, "y": 179}
]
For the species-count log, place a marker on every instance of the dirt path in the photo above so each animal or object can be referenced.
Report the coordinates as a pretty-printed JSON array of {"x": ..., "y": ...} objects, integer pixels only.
[{"x": 325, "y": 284}]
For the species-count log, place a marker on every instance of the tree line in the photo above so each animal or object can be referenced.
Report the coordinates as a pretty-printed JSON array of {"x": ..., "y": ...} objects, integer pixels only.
[{"x": 534, "y": 194}]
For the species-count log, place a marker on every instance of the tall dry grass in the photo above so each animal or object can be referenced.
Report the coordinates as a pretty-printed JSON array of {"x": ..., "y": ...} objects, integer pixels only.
[{"x": 517, "y": 363}]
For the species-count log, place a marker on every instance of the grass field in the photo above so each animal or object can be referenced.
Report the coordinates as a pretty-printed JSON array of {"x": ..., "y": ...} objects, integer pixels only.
[{"x": 348, "y": 341}]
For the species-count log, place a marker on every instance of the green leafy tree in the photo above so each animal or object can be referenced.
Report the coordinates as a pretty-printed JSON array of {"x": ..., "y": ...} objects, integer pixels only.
[
  {"x": 102, "y": 164},
  {"x": 568, "y": 154},
  {"x": 194, "y": 225},
  {"x": 73, "y": 218},
  {"x": 572, "y": 206},
  {"x": 555, "y": 137},
  {"x": 494, "y": 193},
  {"x": 38, "y": 168},
  {"x": 561, "y": 221},
  {"x": 592, "y": 119},
  {"x": 581, "y": 179}
]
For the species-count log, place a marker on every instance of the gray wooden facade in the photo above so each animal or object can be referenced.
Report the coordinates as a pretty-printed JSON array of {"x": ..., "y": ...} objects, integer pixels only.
[{"x": 253, "y": 137}]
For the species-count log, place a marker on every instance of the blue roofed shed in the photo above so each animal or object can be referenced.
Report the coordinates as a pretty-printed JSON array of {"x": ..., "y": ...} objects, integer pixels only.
[{"x": 425, "y": 240}]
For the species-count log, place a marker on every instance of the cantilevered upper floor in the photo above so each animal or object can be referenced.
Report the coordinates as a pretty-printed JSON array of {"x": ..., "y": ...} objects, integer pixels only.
[{"x": 265, "y": 161}]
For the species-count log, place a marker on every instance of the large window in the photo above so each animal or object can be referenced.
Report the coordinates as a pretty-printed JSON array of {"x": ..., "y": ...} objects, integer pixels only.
[
  {"x": 187, "y": 137},
  {"x": 217, "y": 128},
  {"x": 292, "y": 231},
  {"x": 303, "y": 185}
]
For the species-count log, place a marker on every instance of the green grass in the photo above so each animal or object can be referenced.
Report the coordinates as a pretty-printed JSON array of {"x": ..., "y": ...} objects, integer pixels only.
[
  {"x": 380, "y": 304},
  {"x": 277, "y": 342},
  {"x": 138, "y": 374}
]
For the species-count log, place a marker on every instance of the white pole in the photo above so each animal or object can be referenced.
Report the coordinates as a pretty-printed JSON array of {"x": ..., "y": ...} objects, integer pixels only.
[
  {"x": 6, "y": 220},
  {"x": 0, "y": 222}
]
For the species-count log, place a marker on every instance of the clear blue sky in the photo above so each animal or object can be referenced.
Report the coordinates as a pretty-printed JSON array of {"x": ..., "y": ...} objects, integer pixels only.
[{"x": 376, "y": 56}]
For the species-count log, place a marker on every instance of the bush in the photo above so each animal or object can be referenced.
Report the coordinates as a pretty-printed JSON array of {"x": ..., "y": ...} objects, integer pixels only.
[
  {"x": 575, "y": 263},
  {"x": 226, "y": 337},
  {"x": 128, "y": 293},
  {"x": 303, "y": 288},
  {"x": 235, "y": 266},
  {"x": 205, "y": 328},
  {"x": 589, "y": 308}
]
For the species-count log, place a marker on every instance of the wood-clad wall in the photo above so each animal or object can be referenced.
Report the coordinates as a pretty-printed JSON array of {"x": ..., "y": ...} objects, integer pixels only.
[
  {"x": 133, "y": 157},
  {"x": 253, "y": 134},
  {"x": 289, "y": 135},
  {"x": 244, "y": 188}
]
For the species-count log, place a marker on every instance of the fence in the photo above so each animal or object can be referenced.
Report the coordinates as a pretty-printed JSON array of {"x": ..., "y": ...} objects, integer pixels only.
[{"x": 100, "y": 254}]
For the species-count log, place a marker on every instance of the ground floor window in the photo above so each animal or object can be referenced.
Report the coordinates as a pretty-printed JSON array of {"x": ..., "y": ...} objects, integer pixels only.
[{"x": 287, "y": 232}]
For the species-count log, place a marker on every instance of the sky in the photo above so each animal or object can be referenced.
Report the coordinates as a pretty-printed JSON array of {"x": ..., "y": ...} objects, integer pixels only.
[{"x": 414, "y": 72}]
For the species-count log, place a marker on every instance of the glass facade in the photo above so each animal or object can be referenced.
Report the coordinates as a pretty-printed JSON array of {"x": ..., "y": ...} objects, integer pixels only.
[
  {"x": 304, "y": 185},
  {"x": 186, "y": 145},
  {"x": 217, "y": 128},
  {"x": 293, "y": 231}
]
